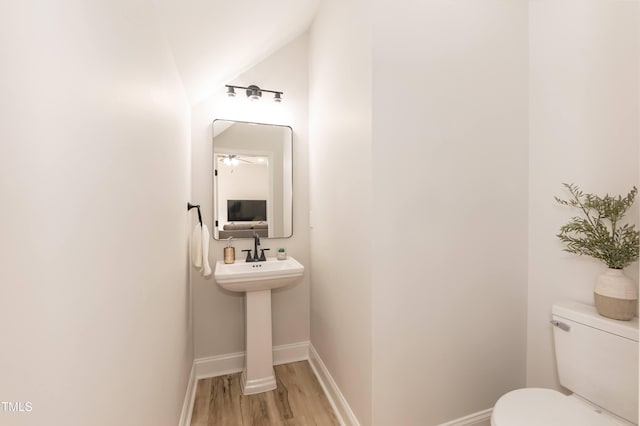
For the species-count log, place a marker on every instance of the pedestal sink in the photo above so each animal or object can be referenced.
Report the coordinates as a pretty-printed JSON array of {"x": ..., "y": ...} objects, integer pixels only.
[{"x": 256, "y": 279}]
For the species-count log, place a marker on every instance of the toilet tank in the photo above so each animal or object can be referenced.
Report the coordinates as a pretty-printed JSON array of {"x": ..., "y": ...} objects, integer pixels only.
[{"x": 597, "y": 357}]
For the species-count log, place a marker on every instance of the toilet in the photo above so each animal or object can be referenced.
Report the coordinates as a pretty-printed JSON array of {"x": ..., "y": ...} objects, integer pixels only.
[{"x": 597, "y": 360}]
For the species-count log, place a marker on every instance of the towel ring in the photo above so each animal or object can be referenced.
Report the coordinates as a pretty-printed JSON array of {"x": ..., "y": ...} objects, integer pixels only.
[{"x": 197, "y": 206}]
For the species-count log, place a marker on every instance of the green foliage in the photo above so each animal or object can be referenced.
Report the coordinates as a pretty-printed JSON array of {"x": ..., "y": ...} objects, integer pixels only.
[{"x": 598, "y": 234}]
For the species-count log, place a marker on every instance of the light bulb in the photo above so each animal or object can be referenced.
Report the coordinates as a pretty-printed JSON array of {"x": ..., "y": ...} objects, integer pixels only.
[{"x": 253, "y": 92}]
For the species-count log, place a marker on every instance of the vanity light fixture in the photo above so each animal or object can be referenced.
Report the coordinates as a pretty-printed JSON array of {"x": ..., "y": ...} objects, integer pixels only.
[{"x": 254, "y": 92}]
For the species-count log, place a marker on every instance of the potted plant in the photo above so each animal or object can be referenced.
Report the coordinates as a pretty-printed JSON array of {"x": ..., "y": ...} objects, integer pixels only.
[{"x": 600, "y": 234}]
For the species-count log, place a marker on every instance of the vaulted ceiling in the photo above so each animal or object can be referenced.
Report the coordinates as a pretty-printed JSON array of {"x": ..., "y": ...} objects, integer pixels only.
[{"x": 215, "y": 40}]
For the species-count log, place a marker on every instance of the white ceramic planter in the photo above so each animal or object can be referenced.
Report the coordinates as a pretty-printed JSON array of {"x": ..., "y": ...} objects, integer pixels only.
[{"x": 616, "y": 295}]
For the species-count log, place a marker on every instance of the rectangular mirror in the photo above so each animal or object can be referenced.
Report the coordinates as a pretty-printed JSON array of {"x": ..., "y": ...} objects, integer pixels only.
[{"x": 252, "y": 180}]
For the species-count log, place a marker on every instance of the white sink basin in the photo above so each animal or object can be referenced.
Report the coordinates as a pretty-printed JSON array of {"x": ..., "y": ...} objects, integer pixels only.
[{"x": 255, "y": 276}]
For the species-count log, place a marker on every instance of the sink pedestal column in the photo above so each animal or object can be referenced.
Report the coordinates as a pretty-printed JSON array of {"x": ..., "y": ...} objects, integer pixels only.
[{"x": 258, "y": 375}]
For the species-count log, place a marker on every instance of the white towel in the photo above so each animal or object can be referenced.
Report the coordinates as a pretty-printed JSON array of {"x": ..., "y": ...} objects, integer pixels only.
[
  {"x": 206, "y": 238},
  {"x": 200, "y": 239},
  {"x": 196, "y": 247}
]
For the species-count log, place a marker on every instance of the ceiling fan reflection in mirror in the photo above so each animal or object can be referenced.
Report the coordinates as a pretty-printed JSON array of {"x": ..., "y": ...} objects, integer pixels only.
[{"x": 234, "y": 159}]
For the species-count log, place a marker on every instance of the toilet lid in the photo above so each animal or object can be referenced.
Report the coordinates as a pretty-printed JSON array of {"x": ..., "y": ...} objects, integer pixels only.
[{"x": 536, "y": 407}]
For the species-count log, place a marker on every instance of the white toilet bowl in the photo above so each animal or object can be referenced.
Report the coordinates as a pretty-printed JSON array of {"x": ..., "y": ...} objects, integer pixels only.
[{"x": 547, "y": 407}]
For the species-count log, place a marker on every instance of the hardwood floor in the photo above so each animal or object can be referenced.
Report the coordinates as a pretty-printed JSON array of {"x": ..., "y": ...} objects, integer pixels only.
[{"x": 298, "y": 400}]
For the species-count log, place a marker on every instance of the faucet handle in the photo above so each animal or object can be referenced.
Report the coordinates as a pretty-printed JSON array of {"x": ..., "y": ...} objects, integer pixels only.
[
  {"x": 248, "y": 259},
  {"x": 262, "y": 256}
]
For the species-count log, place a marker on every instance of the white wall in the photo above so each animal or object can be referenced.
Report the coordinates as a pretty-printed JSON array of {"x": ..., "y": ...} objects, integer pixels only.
[
  {"x": 450, "y": 153},
  {"x": 340, "y": 191},
  {"x": 583, "y": 112},
  {"x": 94, "y": 166},
  {"x": 218, "y": 314}
]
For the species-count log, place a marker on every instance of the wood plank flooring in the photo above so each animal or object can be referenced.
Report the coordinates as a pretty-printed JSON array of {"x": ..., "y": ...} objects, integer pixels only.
[{"x": 298, "y": 401}]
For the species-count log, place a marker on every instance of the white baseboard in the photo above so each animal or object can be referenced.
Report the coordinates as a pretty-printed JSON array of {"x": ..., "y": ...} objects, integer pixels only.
[
  {"x": 294, "y": 352},
  {"x": 189, "y": 396},
  {"x": 336, "y": 399},
  {"x": 220, "y": 365},
  {"x": 481, "y": 417}
]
